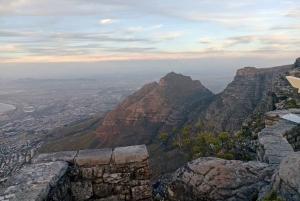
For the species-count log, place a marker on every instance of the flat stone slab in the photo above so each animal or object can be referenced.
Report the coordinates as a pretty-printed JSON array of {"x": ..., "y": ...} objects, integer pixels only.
[
  {"x": 130, "y": 154},
  {"x": 273, "y": 117},
  {"x": 36, "y": 192},
  {"x": 273, "y": 146},
  {"x": 67, "y": 156},
  {"x": 43, "y": 173},
  {"x": 91, "y": 157}
]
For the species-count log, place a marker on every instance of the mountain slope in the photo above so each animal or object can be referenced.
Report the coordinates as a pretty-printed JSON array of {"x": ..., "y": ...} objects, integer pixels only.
[{"x": 155, "y": 107}]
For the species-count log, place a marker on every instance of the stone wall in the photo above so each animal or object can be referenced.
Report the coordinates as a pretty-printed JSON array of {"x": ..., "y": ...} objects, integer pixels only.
[
  {"x": 279, "y": 139},
  {"x": 100, "y": 174},
  {"x": 290, "y": 131}
]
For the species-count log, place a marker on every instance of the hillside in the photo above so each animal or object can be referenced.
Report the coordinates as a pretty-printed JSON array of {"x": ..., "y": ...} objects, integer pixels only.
[{"x": 155, "y": 108}]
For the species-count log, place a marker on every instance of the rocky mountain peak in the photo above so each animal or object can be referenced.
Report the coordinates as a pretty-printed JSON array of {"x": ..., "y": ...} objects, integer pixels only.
[
  {"x": 297, "y": 63},
  {"x": 180, "y": 81},
  {"x": 173, "y": 78},
  {"x": 246, "y": 70}
]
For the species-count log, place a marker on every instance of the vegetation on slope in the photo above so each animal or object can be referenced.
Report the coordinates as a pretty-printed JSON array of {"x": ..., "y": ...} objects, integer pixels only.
[
  {"x": 75, "y": 137},
  {"x": 272, "y": 196},
  {"x": 194, "y": 142}
]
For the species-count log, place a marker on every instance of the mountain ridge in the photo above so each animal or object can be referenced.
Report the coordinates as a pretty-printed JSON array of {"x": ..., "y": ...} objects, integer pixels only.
[{"x": 177, "y": 100}]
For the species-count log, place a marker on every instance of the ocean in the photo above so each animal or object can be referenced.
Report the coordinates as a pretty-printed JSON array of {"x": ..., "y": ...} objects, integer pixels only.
[{"x": 6, "y": 107}]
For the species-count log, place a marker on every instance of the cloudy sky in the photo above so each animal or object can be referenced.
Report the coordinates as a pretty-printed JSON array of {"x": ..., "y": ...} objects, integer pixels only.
[{"x": 71, "y": 31}]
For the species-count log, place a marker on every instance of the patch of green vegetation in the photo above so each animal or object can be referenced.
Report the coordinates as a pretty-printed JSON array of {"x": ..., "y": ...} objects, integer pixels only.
[
  {"x": 71, "y": 130},
  {"x": 195, "y": 141},
  {"x": 71, "y": 143},
  {"x": 291, "y": 104},
  {"x": 272, "y": 196},
  {"x": 75, "y": 137}
]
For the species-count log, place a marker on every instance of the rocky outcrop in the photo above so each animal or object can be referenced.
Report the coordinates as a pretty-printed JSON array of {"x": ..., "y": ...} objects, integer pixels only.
[
  {"x": 155, "y": 107},
  {"x": 297, "y": 63},
  {"x": 286, "y": 179},
  {"x": 218, "y": 179}
]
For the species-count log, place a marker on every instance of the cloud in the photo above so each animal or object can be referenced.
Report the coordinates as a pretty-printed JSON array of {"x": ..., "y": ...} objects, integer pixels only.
[
  {"x": 206, "y": 40},
  {"x": 108, "y": 21},
  {"x": 284, "y": 27},
  {"x": 131, "y": 49},
  {"x": 170, "y": 36},
  {"x": 140, "y": 28},
  {"x": 294, "y": 13}
]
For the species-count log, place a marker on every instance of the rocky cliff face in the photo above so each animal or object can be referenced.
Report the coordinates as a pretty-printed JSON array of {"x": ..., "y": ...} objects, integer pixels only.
[
  {"x": 155, "y": 107},
  {"x": 251, "y": 89}
]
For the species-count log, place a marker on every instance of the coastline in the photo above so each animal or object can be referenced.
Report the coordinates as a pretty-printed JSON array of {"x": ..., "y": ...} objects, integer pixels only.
[{"x": 6, "y": 107}]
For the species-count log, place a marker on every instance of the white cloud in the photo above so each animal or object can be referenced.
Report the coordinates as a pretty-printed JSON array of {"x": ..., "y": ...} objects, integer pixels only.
[
  {"x": 206, "y": 40},
  {"x": 108, "y": 21},
  {"x": 293, "y": 13},
  {"x": 140, "y": 28},
  {"x": 170, "y": 36}
]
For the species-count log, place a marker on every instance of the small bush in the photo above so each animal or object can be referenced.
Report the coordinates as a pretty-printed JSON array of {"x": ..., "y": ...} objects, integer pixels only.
[{"x": 272, "y": 196}]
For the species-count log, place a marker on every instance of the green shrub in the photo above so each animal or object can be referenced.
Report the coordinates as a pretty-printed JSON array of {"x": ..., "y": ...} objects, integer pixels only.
[{"x": 272, "y": 196}]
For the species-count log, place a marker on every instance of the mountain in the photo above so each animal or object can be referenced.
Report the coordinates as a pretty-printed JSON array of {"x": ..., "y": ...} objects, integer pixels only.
[
  {"x": 177, "y": 100},
  {"x": 155, "y": 108},
  {"x": 251, "y": 89}
]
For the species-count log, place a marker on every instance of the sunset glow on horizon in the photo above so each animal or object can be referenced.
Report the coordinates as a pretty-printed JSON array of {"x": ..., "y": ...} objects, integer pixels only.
[{"x": 92, "y": 31}]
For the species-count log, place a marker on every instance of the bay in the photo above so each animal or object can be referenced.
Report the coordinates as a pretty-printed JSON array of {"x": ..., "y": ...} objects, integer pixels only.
[{"x": 6, "y": 107}]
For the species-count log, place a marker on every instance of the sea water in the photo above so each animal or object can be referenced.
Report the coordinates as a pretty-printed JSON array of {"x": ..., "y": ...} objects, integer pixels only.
[{"x": 6, "y": 107}]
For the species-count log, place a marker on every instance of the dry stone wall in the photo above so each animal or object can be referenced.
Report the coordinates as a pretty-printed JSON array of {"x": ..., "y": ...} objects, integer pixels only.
[
  {"x": 100, "y": 175},
  {"x": 279, "y": 139}
]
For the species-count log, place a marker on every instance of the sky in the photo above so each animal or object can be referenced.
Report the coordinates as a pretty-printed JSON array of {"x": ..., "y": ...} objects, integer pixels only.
[{"x": 67, "y": 35}]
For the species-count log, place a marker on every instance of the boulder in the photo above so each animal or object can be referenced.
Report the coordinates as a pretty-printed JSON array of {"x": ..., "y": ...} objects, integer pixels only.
[
  {"x": 218, "y": 179},
  {"x": 286, "y": 179}
]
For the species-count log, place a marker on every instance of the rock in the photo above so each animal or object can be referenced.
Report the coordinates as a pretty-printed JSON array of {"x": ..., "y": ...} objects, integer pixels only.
[
  {"x": 159, "y": 188},
  {"x": 91, "y": 157},
  {"x": 130, "y": 154},
  {"x": 273, "y": 117},
  {"x": 102, "y": 190},
  {"x": 44, "y": 173},
  {"x": 87, "y": 173},
  {"x": 111, "y": 198},
  {"x": 116, "y": 177},
  {"x": 141, "y": 192},
  {"x": 37, "y": 192},
  {"x": 218, "y": 179},
  {"x": 121, "y": 189},
  {"x": 297, "y": 63},
  {"x": 67, "y": 156},
  {"x": 272, "y": 146},
  {"x": 286, "y": 179},
  {"x": 143, "y": 173},
  {"x": 82, "y": 190},
  {"x": 61, "y": 190}
]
